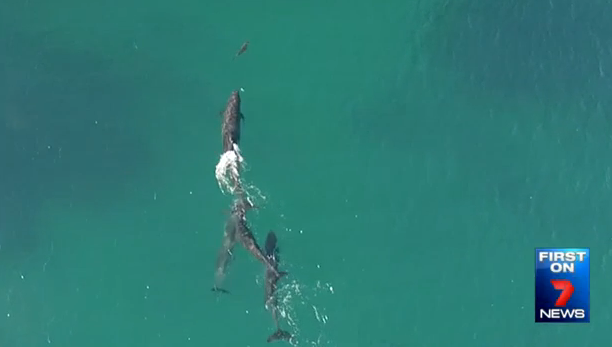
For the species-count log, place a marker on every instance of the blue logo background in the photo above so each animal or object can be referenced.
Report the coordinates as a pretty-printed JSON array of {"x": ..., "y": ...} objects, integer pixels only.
[{"x": 546, "y": 295}]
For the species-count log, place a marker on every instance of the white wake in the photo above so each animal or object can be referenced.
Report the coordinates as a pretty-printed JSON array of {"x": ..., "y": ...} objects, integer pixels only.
[{"x": 228, "y": 170}]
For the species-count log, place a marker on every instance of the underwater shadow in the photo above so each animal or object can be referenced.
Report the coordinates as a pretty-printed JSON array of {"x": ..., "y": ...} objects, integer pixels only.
[{"x": 67, "y": 129}]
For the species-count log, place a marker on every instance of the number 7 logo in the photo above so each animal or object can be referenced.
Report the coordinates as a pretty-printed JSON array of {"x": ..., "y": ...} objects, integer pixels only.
[{"x": 566, "y": 288}]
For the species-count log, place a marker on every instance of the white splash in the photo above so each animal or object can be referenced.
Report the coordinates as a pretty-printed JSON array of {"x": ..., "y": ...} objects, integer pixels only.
[
  {"x": 228, "y": 170},
  {"x": 295, "y": 300}
]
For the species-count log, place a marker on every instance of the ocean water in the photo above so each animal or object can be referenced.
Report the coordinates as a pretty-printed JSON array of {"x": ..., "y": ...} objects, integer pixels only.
[{"x": 412, "y": 155}]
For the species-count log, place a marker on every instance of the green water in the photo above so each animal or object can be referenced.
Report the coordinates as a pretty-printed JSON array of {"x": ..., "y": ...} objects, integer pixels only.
[{"x": 412, "y": 155}]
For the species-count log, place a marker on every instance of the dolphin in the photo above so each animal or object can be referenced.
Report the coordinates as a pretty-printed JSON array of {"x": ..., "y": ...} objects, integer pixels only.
[
  {"x": 242, "y": 49},
  {"x": 230, "y": 126},
  {"x": 271, "y": 278}
]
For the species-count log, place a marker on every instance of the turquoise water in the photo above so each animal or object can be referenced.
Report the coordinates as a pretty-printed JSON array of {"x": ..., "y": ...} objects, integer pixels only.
[{"x": 412, "y": 154}]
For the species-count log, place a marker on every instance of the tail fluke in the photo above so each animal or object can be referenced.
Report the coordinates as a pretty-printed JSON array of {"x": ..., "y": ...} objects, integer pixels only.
[
  {"x": 219, "y": 290},
  {"x": 279, "y": 335}
]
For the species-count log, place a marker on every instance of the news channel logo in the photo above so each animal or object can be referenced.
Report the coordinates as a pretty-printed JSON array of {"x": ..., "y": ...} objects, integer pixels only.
[{"x": 562, "y": 285}]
